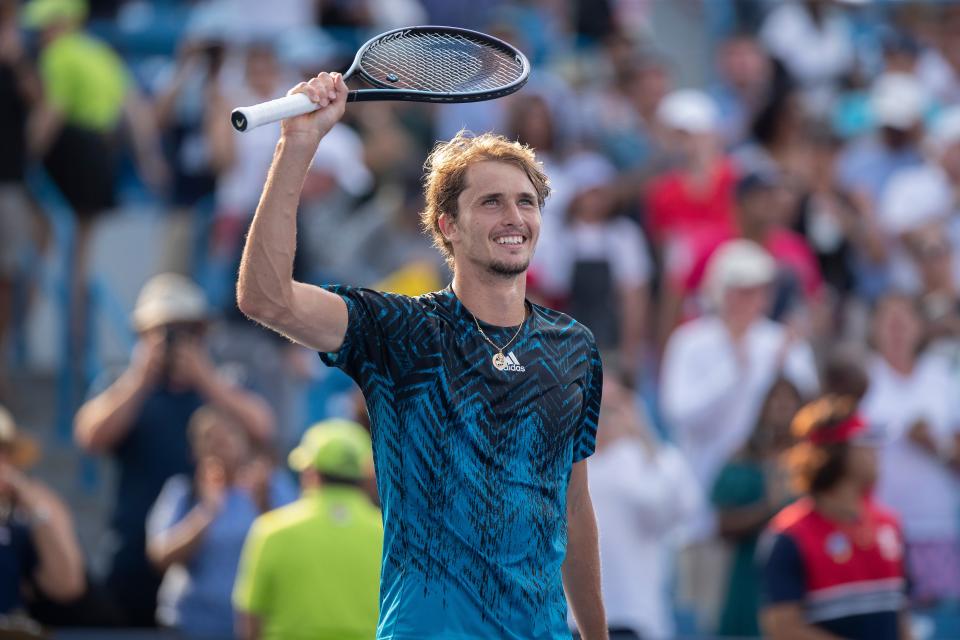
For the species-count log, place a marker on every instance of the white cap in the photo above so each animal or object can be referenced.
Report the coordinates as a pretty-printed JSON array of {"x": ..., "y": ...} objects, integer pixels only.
[
  {"x": 898, "y": 100},
  {"x": 913, "y": 198},
  {"x": 738, "y": 263},
  {"x": 689, "y": 110},
  {"x": 588, "y": 171},
  {"x": 945, "y": 130},
  {"x": 167, "y": 298}
]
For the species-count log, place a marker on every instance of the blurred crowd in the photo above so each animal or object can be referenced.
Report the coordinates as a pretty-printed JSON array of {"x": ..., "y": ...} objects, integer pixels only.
[{"x": 744, "y": 227}]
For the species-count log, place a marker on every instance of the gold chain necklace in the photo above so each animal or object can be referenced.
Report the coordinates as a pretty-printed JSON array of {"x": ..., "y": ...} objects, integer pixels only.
[{"x": 500, "y": 360}]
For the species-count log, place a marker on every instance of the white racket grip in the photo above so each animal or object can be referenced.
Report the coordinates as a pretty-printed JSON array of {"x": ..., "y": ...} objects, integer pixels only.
[{"x": 247, "y": 118}]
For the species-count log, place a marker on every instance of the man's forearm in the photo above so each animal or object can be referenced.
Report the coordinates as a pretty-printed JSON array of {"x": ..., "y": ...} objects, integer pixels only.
[
  {"x": 581, "y": 567},
  {"x": 180, "y": 542},
  {"x": 581, "y": 577},
  {"x": 104, "y": 420},
  {"x": 60, "y": 571},
  {"x": 266, "y": 270}
]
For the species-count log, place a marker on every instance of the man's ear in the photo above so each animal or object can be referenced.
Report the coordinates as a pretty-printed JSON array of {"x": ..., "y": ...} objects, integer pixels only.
[{"x": 448, "y": 226}]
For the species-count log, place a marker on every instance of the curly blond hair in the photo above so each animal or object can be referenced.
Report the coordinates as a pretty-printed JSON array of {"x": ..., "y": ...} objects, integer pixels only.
[
  {"x": 446, "y": 176},
  {"x": 815, "y": 468}
]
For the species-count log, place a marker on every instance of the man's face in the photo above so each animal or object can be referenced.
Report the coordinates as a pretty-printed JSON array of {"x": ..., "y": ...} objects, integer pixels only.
[
  {"x": 742, "y": 306},
  {"x": 498, "y": 220},
  {"x": 897, "y": 327},
  {"x": 222, "y": 441}
]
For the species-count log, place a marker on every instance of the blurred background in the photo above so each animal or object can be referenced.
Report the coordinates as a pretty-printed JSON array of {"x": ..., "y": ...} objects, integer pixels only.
[{"x": 826, "y": 132}]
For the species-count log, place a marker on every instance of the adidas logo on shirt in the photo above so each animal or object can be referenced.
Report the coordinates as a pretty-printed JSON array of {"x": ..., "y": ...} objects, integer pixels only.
[{"x": 513, "y": 364}]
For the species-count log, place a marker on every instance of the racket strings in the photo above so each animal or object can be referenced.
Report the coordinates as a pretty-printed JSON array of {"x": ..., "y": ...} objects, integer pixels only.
[{"x": 440, "y": 63}]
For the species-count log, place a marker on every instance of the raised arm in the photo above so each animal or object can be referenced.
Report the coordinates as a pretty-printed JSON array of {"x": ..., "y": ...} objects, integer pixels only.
[{"x": 266, "y": 290}]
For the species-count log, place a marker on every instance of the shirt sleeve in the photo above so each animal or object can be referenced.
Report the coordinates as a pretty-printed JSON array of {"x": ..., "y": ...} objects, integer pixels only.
[
  {"x": 171, "y": 506},
  {"x": 252, "y": 586},
  {"x": 56, "y": 71},
  {"x": 590, "y": 412},
  {"x": 737, "y": 485},
  {"x": 781, "y": 570},
  {"x": 379, "y": 327}
]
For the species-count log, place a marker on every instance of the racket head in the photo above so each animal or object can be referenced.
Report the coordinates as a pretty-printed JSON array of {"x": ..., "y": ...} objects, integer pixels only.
[{"x": 438, "y": 64}]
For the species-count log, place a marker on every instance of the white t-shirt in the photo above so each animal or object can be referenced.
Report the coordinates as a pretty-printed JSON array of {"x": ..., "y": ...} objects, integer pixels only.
[
  {"x": 924, "y": 493},
  {"x": 238, "y": 189},
  {"x": 619, "y": 241},
  {"x": 711, "y": 402},
  {"x": 813, "y": 54},
  {"x": 639, "y": 500}
]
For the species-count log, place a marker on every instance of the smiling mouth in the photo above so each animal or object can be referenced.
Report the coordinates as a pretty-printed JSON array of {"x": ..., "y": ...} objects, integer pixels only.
[{"x": 511, "y": 241}]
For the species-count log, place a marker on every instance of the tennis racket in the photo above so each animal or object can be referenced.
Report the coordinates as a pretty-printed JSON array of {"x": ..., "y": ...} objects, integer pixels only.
[{"x": 422, "y": 64}]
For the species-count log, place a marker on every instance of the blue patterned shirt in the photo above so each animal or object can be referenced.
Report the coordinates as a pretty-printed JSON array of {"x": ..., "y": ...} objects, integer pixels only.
[{"x": 472, "y": 462}]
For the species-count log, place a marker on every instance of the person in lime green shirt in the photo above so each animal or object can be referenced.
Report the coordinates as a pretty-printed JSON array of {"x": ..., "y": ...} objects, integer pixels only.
[
  {"x": 87, "y": 95},
  {"x": 312, "y": 569}
]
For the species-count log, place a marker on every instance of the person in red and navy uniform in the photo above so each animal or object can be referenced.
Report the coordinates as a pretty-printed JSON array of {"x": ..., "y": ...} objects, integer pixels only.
[{"x": 832, "y": 562}]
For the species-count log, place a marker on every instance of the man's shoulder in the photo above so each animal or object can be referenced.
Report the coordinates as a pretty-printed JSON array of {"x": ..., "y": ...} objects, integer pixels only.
[
  {"x": 794, "y": 518},
  {"x": 274, "y": 523},
  {"x": 427, "y": 302},
  {"x": 551, "y": 320}
]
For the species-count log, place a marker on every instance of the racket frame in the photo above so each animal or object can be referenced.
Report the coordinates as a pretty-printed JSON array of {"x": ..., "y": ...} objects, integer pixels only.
[
  {"x": 388, "y": 92},
  {"x": 298, "y": 104}
]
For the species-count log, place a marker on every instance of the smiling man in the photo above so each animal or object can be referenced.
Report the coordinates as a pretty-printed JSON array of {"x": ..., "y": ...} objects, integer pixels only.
[{"x": 483, "y": 405}]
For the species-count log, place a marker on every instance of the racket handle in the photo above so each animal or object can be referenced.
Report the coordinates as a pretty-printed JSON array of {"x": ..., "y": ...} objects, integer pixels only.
[{"x": 247, "y": 118}]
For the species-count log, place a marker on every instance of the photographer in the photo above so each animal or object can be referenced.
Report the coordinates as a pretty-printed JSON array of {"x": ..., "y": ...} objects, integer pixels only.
[
  {"x": 141, "y": 422},
  {"x": 39, "y": 553}
]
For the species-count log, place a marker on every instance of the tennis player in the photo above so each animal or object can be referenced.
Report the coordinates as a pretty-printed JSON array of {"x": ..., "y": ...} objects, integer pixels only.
[{"x": 483, "y": 406}]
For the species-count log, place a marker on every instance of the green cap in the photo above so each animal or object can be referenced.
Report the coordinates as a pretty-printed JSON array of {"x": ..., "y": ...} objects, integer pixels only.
[
  {"x": 38, "y": 14},
  {"x": 334, "y": 447}
]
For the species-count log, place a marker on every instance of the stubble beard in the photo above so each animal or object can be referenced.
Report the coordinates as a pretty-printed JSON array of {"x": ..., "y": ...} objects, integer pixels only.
[{"x": 507, "y": 269}]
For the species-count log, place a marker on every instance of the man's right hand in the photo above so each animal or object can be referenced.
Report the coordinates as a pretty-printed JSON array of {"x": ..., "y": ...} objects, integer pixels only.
[
  {"x": 149, "y": 360},
  {"x": 329, "y": 91}
]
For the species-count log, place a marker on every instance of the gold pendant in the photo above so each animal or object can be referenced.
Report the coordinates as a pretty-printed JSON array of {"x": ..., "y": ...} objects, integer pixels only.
[{"x": 499, "y": 361}]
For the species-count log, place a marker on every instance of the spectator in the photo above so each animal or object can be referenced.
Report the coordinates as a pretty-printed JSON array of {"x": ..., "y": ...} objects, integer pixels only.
[
  {"x": 699, "y": 192},
  {"x": 749, "y": 491},
  {"x": 620, "y": 117},
  {"x": 778, "y": 141},
  {"x": 196, "y": 529},
  {"x": 832, "y": 561},
  {"x": 939, "y": 64},
  {"x": 601, "y": 262},
  {"x": 915, "y": 200},
  {"x": 19, "y": 89},
  {"x": 312, "y": 569},
  {"x": 813, "y": 40},
  {"x": 911, "y": 403},
  {"x": 762, "y": 203},
  {"x": 921, "y": 201},
  {"x": 839, "y": 225},
  {"x": 711, "y": 409},
  {"x": 38, "y": 545},
  {"x": 746, "y": 78},
  {"x": 643, "y": 490},
  {"x": 189, "y": 97},
  {"x": 141, "y": 419},
  {"x": 87, "y": 93},
  {"x": 898, "y": 103},
  {"x": 934, "y": 258}
]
